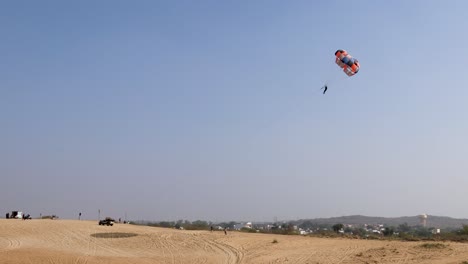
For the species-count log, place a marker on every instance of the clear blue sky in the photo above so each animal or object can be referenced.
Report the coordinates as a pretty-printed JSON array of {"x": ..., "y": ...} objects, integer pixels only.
[{"x": 211, "y": 110}]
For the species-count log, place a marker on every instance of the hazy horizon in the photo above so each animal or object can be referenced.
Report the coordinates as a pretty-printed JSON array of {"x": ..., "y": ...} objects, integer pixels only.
[{"x": 168, "y": 110}]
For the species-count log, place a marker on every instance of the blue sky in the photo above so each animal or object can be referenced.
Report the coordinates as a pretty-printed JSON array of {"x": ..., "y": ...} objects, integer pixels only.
[{"x": 213, "y": 110}]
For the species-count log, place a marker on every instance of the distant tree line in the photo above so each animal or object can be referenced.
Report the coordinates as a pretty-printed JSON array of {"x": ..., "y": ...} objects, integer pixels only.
[
  {"x": 189, "y": 225},
  {"x": 401, "y": 232}
]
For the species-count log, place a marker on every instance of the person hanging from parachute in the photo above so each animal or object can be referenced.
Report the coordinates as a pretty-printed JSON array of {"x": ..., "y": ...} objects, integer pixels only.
[
  {"x": 345, "y": 61},
  {"x": 324, "y": 89}
]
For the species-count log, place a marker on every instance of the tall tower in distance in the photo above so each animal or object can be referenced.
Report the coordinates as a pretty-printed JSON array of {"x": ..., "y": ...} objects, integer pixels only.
[{"x": 423, "y": 220}]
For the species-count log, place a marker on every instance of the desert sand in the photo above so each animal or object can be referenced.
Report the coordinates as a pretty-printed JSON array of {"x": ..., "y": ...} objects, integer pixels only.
[{"x": 80, "y": 242}]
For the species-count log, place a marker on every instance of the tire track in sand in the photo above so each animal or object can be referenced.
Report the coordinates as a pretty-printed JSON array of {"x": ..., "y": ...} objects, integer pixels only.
[
  {"x": 11, "y": 244},
  {"x": 233, "y": 255}
]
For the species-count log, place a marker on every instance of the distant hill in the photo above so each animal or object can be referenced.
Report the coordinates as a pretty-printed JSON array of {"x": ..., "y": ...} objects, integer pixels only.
[{"x": 432, "y": 221}]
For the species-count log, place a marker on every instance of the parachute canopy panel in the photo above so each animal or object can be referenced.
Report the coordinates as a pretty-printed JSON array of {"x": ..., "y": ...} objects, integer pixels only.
[{"x": 349, "y": 64}]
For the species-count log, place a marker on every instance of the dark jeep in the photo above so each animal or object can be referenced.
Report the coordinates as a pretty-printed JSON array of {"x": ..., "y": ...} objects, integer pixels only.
[{"x": 108, "y": 221}]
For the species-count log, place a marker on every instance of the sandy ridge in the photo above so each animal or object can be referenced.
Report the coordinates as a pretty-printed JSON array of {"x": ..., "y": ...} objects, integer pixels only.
[{"x": 76, "y": 242}]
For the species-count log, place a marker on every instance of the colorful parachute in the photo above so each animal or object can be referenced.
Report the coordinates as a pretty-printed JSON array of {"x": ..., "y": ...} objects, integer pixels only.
[{"x": 349, "y": 64}]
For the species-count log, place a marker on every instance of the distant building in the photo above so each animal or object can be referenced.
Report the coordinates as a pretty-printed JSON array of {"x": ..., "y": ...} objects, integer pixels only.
[{"x": 242, "y": 225}]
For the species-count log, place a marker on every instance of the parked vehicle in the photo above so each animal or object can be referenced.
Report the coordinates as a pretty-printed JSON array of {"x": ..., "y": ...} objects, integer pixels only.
[
  {"x": 16, "y": 214},
  {"x": 108, "y": 221}
]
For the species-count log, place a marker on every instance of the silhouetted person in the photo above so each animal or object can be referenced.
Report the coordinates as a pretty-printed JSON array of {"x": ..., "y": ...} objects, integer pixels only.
[
  {"x": 225, "y": 230},
  {"x": 324, "y": 89}
]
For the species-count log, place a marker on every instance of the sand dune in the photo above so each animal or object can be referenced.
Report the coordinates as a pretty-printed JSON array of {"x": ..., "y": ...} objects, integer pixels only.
[{"x": 85, "y": 242}]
